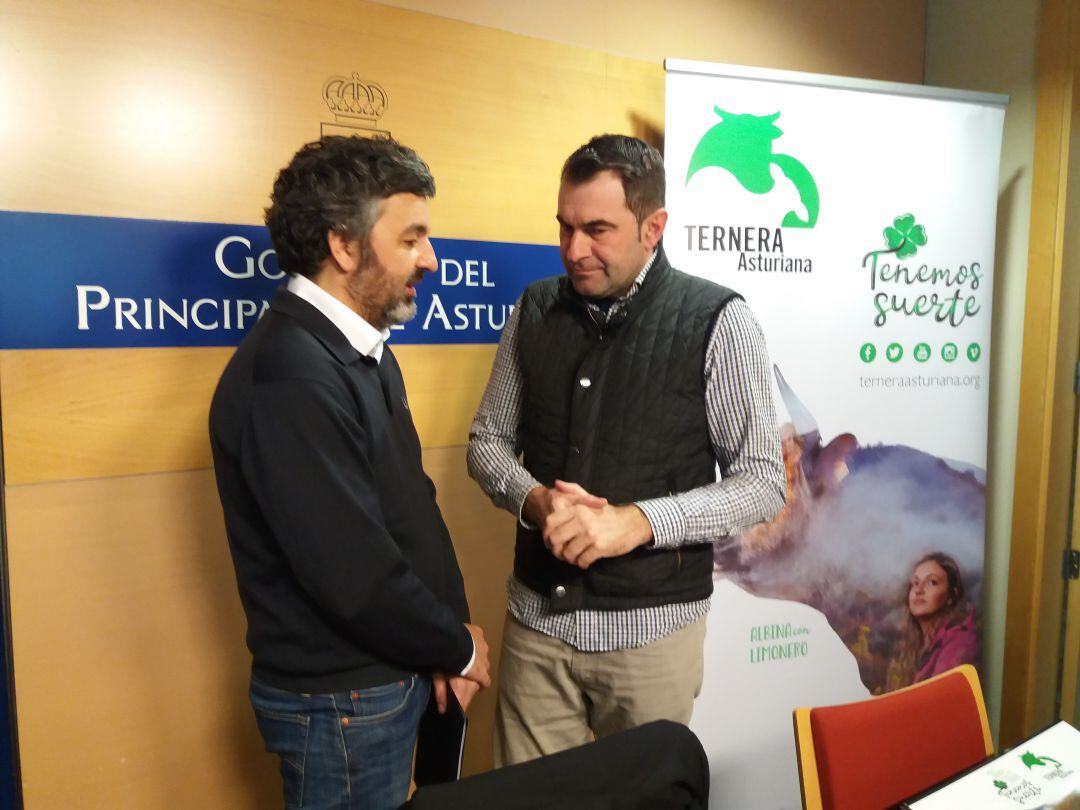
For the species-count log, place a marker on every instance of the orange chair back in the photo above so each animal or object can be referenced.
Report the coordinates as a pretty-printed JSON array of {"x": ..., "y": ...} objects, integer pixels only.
[{"x": 877, "y": 752}]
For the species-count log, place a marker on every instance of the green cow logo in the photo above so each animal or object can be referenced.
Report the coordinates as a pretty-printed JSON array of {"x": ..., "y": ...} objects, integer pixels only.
[
  {"x": 742, "y": 144},
  {"x": 1001, "y": 785},
  {"x": 1031, "y": 761}
]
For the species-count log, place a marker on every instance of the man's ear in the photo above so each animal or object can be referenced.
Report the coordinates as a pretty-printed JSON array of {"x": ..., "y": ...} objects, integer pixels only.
[
  {"x": 653, "y": 228},
  {"x": 344, "y": 252}
]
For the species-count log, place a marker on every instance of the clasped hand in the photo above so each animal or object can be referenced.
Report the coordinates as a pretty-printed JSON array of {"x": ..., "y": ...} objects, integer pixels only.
[{"x": 580, "y": 528}]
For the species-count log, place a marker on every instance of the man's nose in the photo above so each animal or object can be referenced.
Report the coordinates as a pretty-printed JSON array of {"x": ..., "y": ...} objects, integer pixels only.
[
  {"x": 578, "y": 246},
  {"x": 428, "y": 261}
]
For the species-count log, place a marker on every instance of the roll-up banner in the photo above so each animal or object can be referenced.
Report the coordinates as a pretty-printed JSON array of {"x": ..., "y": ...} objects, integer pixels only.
[{"x": 857, "y": 220}]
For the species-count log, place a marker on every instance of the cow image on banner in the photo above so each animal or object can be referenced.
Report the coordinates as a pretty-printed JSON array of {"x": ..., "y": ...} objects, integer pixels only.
[{"x": 857, "y": 219}]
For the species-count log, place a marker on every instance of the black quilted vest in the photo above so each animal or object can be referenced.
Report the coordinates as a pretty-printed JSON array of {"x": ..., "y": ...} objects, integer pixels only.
[{"x": 619, "y": 408}]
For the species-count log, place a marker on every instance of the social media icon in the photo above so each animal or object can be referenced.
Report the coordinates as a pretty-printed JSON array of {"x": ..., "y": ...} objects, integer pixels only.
[
  {"x": 949, "y": 352},
  {"x": 894, "y": 352},
  {"x": 974, "y": 352},
  {"x": 867, "y": 352},
  {"x": 922, "y": 352}
]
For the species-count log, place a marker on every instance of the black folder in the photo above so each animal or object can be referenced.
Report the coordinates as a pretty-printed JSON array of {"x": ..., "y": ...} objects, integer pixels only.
[{"x": 440, "y": 742}]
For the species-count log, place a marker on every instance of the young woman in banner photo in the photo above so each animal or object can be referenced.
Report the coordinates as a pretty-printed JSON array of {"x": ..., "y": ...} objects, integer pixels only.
[{"x": 940, "y": 631}]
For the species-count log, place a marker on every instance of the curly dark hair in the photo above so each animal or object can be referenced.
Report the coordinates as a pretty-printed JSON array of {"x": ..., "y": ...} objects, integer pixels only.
[
  {"x": 639, "y": 166},
  {"x": 336, "y": 184}
]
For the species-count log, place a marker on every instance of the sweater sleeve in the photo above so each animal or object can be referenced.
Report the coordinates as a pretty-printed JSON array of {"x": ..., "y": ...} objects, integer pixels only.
[{"x": 305, "y": 453}]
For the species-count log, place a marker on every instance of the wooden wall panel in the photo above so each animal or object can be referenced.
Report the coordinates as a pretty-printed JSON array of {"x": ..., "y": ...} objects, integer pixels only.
[
  {"x": 187, "y": 110},
  {"x": 130, "y": 665},
  {"x": 128, "y": 640},
  {"x": 71, "y": 414},
  {"x": 445, "y": 384},
  {"x": 1044, "y": 442},
  {"x": 882, "y": 39}
]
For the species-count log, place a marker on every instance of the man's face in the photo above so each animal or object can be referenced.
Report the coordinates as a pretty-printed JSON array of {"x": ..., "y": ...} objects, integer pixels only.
[
  {"x": 602, "y": 246},
  {"x": 399, "y": 252}
]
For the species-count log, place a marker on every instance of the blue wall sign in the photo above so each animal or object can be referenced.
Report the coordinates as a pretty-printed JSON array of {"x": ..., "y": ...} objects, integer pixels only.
[{"x": 77, "y": 282}]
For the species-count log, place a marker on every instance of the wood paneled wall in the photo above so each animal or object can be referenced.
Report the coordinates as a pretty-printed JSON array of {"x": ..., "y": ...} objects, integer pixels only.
[{"x": 1045, "y": 442}]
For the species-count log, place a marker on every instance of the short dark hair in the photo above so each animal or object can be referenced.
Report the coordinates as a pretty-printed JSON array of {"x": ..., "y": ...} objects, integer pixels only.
[
  {"x": 639, "y": 166},
  {"x": 336, "y": 184}
]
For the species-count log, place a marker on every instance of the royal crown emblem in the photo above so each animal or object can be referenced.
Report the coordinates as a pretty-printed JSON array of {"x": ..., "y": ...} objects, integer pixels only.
[{"x": 357, "y": 104}]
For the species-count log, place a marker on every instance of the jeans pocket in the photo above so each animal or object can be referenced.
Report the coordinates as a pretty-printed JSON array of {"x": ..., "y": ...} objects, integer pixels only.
[
  {"x": 287, "y": 736},
  {"x": 380, "y": 703}
]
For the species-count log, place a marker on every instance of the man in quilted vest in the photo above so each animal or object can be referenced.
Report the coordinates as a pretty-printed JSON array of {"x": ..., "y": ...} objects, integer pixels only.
[{"x": 617, "y": 390}]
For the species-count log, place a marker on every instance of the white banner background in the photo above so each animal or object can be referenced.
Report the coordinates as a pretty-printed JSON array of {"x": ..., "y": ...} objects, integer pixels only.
[{"x": 918, "y": 426}]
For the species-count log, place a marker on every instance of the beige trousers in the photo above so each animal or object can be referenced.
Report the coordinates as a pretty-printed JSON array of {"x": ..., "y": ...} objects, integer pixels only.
[{"x": 553, "y": 697}]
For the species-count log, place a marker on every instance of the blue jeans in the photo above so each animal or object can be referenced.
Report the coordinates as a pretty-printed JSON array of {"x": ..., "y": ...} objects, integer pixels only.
[{"x": 344, "y": 751}]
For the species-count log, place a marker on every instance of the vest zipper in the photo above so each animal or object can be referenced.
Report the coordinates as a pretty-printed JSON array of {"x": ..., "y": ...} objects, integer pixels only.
[{"x": 599, "y": 326}]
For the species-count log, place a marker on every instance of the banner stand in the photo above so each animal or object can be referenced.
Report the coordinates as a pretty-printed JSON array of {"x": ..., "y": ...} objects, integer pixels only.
[{"x": 857, "y": 220}]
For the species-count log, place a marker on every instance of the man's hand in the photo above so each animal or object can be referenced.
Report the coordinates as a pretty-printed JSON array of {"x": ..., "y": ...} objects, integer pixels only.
[
  {"x": 581, "y": 535},
  {"x": 479, "y": 670},
  {"x": 464, "y": 690},
  {"x": 541, "y": 502}
]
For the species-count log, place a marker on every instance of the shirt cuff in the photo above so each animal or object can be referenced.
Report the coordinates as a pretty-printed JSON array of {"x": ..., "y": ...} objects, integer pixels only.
[
  {"x": 516, "y": 492},
  {"x": 472, "y": 659},
  {"x": 667, "y": 521}
]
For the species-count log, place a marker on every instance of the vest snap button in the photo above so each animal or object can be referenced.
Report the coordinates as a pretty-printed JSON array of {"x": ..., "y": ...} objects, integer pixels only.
[
  {"x": 560, "y": 591},
  {"x": 584, "y": 382}
]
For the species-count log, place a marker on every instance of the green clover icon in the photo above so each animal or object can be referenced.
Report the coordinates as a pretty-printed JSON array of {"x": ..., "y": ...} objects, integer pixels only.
[{"x": 904, "y": 236}]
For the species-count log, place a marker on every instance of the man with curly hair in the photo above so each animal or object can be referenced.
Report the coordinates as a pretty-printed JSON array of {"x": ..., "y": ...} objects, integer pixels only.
[{"x": 355, "y": 604}]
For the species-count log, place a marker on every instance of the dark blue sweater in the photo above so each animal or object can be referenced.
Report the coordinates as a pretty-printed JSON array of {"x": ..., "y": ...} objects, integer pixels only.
[{"x": 344, "y": 564}]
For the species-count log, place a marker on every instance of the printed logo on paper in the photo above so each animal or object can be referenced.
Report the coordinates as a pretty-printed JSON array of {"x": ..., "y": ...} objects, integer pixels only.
[
  {"x": 1046, "y": 767},
  {"x": 1014, "y": 787}
]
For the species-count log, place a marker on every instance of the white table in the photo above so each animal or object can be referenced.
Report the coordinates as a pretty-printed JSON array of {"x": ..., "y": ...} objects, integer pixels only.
[{"x": 1037, "y": 773}]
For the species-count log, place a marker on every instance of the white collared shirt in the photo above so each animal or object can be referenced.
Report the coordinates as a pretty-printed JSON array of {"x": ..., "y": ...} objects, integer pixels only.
[{"x": 361, "y": 335}]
